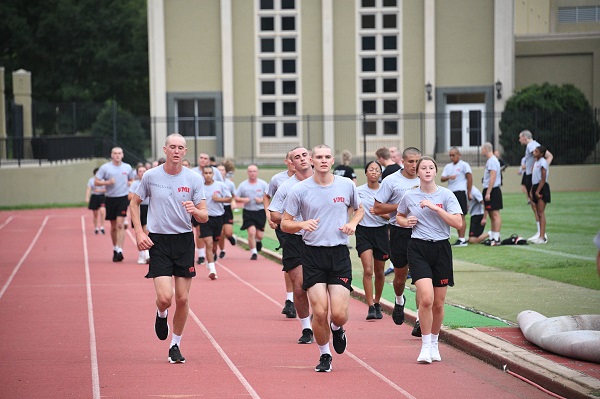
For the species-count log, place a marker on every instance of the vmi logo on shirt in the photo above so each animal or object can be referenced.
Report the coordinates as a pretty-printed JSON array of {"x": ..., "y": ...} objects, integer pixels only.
[
  {"x": 440, "y": 205},
  {"x": 183, "y": 190},
  {"x": 338, "y": 199}
]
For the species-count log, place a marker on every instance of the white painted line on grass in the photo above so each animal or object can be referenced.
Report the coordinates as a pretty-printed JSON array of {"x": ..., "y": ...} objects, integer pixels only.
[
  {"x": 7, "y": 221},
  {"x": 25, "y": 255},
  {"x": 546, "y": 251},
  {"x": 88, "y": 289},
  {"x": 226, "y": 358}
]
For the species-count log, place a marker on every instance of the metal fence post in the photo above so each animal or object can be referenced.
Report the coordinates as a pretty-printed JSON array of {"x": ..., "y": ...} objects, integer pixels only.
[
  {"x": 114, "y": 110},
  {"x": 364, "y": 131},
  {"x": 308, "y": 130},
  {"x": 252, "y": 138}
]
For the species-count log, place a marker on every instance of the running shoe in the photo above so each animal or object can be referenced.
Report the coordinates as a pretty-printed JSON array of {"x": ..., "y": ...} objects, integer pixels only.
[
  {"x": 378, "y": 314},
  {"x": 96, "y": 231},
  {"x": 339, "y": 340},
  {"x": 254, "y": 257},
  {"x": 324, "y": 365},
  {"x": 175, "y": 355},
  {"x": 212, "y": 273},
  {"x": 398, "y": 313},
  {"x": 539, "y": 240},
  {"x": 221, "y": 254},
  {"x": 161, "y": 327},
  {"x": 102, "y": 230},
  {"x": 425, "y": 355},
  {"x": 232, "y": 240},
  {"x": 495, "y": 243},
  {"x": 117, "y": 256},
  {"x": 141, "y": 260},
  {"x": 371, "y": 315},
  {"x": 460, "y": 243},
  {"x": 435, "y": 352},
  {"x": 289, "y": 310},
  {"x": 258, "y": 245},
  {"x": 201, "y": 260},
  {"x": 307, "y": 336},
  {"x": 389, "y": 270},
  {"x": 416, "y": 331}
]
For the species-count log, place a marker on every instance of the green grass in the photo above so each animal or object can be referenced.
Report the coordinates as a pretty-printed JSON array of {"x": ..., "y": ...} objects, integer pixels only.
[{"x": 44, "y": 206}]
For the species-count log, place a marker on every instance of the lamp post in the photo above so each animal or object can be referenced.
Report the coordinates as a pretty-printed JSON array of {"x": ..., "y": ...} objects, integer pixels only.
[{"x": 499, "y": 90}]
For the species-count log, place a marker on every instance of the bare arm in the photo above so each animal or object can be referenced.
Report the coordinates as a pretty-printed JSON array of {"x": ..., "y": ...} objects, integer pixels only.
[
  {"x": 549, "y": 157},
  {"x": 289, "y": 225},
  {"x": 143, "y": 241},
  {"x": 469, "y": 185},
  {"x": 384, "y": 209}
]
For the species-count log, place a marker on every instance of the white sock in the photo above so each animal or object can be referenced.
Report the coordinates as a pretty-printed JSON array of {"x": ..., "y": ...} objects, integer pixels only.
[
  {"x": 462, "y": 239},
  {"x": 202, "y": 252},
  {"x": 434, "y": 338},
  {"x": 253, "y": 251},
  {"x": 119, "y": 250},
  {"x": 324, "y": 349},
  {"x": 495, "y": 235},
  {"x": 116, "y": 248},
  {"x": 538, "y": 227},
  {"x": 164, "y": 314},
  {"x": 334, "y": 327},
  {"x": 400, "y": 299},
  {"x": 289, "y": 296},
  {"x": 175, "y": 340},
  {"x": 426, "y": 339},
  {"x": 306, "y": 323},
  {"x": 211, "y": 267}
]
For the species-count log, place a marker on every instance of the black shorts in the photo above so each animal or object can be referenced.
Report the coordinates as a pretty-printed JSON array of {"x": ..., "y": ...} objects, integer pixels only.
[
  {"x": 527, "y": 182},
  {"x": 143, "y": 215},
  {"x": 195, "y": 223},
  {"x": 172, "y": 255},
  {"x": 475, "y": 228},
  {"x": 431, "y": 259},
  {"x": 293, "y": 249},
  {"x": 461, "y": 196},
  {"x": 375, "y": 238},
  {"x": 495, "y": 202},
  {"x": 399, "y": 239},
  {"x": 257, "y": 219},
  {"x": 116, "y": 207},
  {"x": 96, "y": 202},
  {"x": 212, "y": 228},
  {"x": 329, "y": 265},
  {"x": 545, "y": 193},
  {"x": 228, "y": 215}
]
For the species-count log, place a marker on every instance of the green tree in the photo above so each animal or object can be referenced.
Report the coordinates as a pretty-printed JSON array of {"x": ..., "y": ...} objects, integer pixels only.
[
  {"x": 78, "y": 50},
  {"x": 560, "y": 118}
]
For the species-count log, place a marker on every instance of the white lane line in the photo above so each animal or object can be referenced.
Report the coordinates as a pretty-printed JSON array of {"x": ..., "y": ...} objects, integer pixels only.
[
  {"x": 7, "y": 221},
  {"x": 88, "y": 289},
  {"x": 359, "y": 361},
  {"x": 546, "y": 251},
  {"x": 25, "y": 255},
  {"x": 226, "y": 358}
]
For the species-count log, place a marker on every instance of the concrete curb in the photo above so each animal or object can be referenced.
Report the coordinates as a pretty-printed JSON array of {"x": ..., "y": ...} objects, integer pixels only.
[{"x": 505, "y": 356}]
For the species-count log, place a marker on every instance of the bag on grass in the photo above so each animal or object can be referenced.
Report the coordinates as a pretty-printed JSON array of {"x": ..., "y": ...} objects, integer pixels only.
[{"x": 514, "y": 239}]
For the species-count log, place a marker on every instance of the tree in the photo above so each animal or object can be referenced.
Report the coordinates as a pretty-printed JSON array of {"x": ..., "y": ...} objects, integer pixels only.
[
  {"x": 78, "y": 50},
  {"x": 560, "y": 118}
]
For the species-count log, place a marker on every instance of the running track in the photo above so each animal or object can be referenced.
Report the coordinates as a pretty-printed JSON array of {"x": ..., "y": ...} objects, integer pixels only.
[{"x": 75, "y": 324}]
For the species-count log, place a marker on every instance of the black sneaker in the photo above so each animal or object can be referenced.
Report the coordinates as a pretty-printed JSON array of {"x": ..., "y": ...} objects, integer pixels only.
[
  {"x": 378, "y": 314},
  {"x": 324, "y": 365},
  {"x": 102, "y": 230},
  {"x": 175, "y": 355},
  {"x": 460, "y": 243},
  {"x": 232, "y": 240},
  {"x": 307, "y": 336},
  {"x": 254, "y": 257},
  {"x": 117, "y": 256},
  {"x": 416, "y": 332},
  {"x": 339, "y": 340},
  {"x": 96, "y": 231},
  {"x": 201, "y": 260},
  {"x": 487, "y": 241},
  {"x": 221, "y": 254},
  {"x": 398, "y": 313},
  {"x": 258, "y": 245},
  {"x": 161, "y": 327},
  {"x": 371, "y": 315},
  {"x": 289, "y": 310}
]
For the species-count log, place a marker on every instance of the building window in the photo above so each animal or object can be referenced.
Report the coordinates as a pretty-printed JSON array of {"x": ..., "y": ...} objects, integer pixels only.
[
  {"x": 573, "y": 15},
  {"x": 278, "y": 48},
  {"x": 196, "y": 117},
  {"x": 378, "y": 55}
]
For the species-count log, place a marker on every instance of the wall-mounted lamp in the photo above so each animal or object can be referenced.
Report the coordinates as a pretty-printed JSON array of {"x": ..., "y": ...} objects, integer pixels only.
[
  {"x": 499, "y": 90},
  {"x": 428, "y": 89}
]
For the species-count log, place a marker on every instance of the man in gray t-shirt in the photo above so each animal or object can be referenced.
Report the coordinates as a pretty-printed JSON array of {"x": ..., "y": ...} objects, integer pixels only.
[
  {"x": 323, "y": 201},
  {"x": 251, "y": 193}
]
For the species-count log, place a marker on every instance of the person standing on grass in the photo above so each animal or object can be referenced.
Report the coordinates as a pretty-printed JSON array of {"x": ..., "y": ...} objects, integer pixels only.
[
  {"x": 478, "y": 217},
  {"x": 387, "y": 199},
  {"x": 144, "y": 256},
  {"x": 372, "y": 241},
  {"x": 217, "y": 195},
  {"x": 344, "y": 169},
  {"x": 540, "y": 191},
  {"x": 116, "y": 176},
  {"x": 492, "y": 194},
  {"x": 94, "y": 196},
  {"x": 429, "y": 211},
  {"x": 323, "y": 202},
  {"x": 251, "y": 193},
  {"x": 526, "y": 139},
  {"x": 176, "y": 194},
  {"x": 293, "y": 246},
  {"x": 460, "y": 181},
  {"x": 227, "y": 214}
]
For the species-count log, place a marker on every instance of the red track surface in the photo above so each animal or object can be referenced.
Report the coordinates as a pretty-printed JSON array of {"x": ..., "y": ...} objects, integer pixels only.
[{"x": 75, "y": 324}]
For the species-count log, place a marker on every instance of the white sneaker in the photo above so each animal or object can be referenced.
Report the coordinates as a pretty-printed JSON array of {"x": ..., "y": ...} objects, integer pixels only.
[
  {"x": 435, "y": 352},
  {"x": 425, "y": 355},
  {"x": 533, "y": 238},
  {"x": 142, "y": 260},
  {"x": 539, "y": 241}
]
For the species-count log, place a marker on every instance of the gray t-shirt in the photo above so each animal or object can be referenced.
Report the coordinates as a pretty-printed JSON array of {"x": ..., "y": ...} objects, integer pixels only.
[
  {"x": 276, "y": 181},
  {"x": 217, "y": 176},
  {"x": 329, "y": 205},
  {"x": 392, "y": 190},
  {"x": 121, "y": 173},
  {"x": 133, "y": 188},
  {"x": 215, "y": 208},
  {"x": 367, "y": 199},
  {"x": 476, "y": 202},
  {"x": 430, "y": 226},
  {"x": 536, "y": 175},
  {"x": 278, "y": 202},
  {"x": 492, "y": 164},
  {"x": 166, "y": 214},
  {"x": 460, "y": 169},
  {"x": 252, "y": 191},
  {"x": 231, "y": 187},
  {"x": 529, "y": 159}
]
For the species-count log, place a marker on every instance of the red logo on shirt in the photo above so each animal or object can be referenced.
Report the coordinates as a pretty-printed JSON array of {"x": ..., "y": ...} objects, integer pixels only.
[
  {"x": 338, "y": 199},
  {"x": 183, "y": 189},
  {"x": 440, "y": 205}
]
